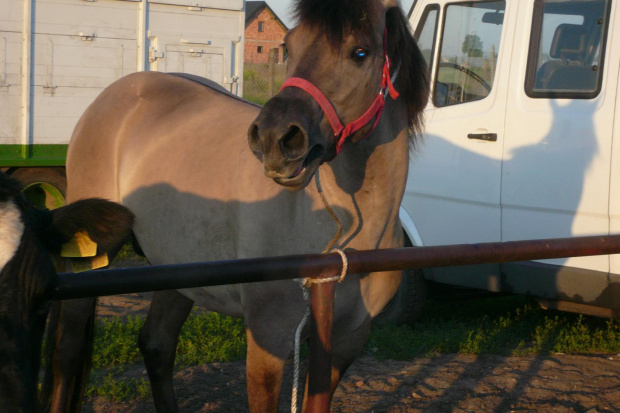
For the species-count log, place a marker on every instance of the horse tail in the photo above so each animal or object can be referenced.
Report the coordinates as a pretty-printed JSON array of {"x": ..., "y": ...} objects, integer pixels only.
[{"x": 68, "y": 354}]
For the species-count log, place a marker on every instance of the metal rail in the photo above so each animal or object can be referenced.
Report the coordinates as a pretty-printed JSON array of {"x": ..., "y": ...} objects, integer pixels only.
[{"x": 165, "y": 277}]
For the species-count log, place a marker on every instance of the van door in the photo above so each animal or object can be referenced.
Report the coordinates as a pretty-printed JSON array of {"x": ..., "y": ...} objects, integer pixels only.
[
  {"x": 557, "y": 149},
  {"x": 614, "y": 193},
  {"x": 453, "y": 188}
]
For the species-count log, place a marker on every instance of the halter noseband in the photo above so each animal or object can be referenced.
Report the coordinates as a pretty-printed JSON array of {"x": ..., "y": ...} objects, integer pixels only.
[{"x": 375, "y": 110}]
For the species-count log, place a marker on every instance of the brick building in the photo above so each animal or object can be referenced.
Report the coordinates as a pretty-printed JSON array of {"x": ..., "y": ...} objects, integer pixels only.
[{"x": 263, "y": 31}]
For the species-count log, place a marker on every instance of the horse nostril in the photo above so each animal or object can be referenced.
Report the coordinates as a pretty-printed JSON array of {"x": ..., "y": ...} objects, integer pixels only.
[
  {"x": 293, "y": 143},
  {"x": 254, "y": 140}
]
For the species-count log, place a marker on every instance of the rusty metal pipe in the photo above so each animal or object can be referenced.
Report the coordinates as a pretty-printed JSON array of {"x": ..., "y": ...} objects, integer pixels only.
[
  {"x": 166, "y": 277},
  {"x": 484, "y": 253},
  {"x": 320, "y": 359}
]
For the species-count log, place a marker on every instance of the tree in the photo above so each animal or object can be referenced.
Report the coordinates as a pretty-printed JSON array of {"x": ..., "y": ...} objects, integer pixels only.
[{"x": 472, "y": 45}]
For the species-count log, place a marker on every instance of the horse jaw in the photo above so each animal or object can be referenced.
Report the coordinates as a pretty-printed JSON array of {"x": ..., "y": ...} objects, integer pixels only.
[{"x": 302, "y": 176}]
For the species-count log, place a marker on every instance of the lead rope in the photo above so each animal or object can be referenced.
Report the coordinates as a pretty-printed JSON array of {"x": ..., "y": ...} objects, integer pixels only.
[{"x": 305, "y": 287}]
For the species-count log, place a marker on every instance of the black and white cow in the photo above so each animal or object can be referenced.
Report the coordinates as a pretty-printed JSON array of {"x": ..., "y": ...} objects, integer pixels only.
[{"x": 29, "y": 240}]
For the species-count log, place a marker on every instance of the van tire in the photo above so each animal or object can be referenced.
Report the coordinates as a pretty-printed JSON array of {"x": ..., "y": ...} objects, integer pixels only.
[{"x": 406, "y": 305}]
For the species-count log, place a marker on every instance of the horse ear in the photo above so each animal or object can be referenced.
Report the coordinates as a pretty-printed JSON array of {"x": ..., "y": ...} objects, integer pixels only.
[{"x": 412, "y": 81}]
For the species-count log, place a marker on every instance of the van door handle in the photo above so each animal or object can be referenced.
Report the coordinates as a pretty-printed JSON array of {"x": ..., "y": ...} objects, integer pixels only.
[{"x": 489, "y": 137}]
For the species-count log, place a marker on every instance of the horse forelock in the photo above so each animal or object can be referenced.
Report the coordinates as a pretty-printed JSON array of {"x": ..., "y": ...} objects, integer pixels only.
[{"x": 338, "y": 18}]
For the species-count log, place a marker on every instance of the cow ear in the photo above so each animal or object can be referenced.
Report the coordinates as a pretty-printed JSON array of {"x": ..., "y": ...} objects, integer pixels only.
[
  {"x": 80, "y": 245},
  {"x": 81, "y": 252},
  {"x": 91, "y": 227}
]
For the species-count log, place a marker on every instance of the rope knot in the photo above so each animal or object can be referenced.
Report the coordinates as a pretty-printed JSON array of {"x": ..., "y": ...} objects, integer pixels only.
[{"x": 345, "y": 267}]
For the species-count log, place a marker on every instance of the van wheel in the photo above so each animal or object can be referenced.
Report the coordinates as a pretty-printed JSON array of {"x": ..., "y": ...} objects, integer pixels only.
[
  {"x": 406, "y": 305},
  {"x": 44, "y": 187}
]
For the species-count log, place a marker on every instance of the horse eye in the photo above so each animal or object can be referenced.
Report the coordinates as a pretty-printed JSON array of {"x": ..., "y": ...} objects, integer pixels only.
[{"x": 359, "y": 54}]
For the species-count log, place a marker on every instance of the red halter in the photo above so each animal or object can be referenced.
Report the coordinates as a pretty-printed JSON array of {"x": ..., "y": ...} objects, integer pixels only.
[{"x": 375, "y": 110}]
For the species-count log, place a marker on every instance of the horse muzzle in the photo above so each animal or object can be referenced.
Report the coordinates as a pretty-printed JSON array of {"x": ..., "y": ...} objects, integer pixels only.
[{"x": 284, "y": 138}]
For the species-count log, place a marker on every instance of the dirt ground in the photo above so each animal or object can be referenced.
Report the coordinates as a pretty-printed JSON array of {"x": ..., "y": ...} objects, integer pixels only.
[{"x": 445, "y": 383}]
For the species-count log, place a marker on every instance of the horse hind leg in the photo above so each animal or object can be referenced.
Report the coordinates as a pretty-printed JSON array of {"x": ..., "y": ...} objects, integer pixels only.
[{"x": 158, "y": 342}]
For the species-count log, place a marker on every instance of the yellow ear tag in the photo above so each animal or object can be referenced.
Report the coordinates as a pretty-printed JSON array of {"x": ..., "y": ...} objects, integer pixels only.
[
  {"x": 87, "y": 264},
  {"x": 79, "y": 246}
]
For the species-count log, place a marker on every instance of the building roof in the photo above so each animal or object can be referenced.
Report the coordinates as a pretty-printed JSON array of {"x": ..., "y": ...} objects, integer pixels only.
[{"x": 254, "y": 8}]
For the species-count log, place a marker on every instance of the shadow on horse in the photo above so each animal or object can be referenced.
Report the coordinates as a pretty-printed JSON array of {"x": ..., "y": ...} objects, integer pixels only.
[{"x": 210, "y": 176}]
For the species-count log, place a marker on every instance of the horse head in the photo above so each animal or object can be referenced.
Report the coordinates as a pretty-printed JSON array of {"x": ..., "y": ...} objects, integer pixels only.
[{"x": 346, "y": 60}]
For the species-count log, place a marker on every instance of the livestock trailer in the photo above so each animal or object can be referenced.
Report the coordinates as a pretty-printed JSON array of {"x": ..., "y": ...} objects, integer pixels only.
[{"x": 56, "y": 56}]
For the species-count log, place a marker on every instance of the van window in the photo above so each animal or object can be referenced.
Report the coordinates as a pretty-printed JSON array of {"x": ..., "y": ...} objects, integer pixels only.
[
  {"x": 567, "y": 48},
  {"x": 468, "y": 53},
  {"x": 425, "y": 33}
]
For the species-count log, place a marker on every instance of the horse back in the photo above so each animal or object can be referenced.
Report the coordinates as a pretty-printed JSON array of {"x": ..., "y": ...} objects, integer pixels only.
[{"x": 138, "y": 115}]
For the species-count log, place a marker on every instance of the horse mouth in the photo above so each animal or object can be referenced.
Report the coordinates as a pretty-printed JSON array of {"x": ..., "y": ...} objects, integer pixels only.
[{"x": 304, "y": 172}]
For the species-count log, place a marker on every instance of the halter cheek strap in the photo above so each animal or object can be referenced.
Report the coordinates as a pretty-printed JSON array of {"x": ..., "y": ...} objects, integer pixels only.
[{"x": 375, "y": 110}]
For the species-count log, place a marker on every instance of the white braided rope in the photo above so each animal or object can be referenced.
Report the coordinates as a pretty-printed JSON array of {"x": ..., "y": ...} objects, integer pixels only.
[{"x": 296, "y": 365}]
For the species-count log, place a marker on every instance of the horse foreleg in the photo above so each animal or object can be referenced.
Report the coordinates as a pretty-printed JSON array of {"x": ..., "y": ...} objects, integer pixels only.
[
  {"x": 264, "y": 374},
  {"x": 158, "y": 343}
]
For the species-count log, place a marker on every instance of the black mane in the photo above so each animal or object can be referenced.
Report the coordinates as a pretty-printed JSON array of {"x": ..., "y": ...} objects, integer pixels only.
[{"x": 338, "y": 18}]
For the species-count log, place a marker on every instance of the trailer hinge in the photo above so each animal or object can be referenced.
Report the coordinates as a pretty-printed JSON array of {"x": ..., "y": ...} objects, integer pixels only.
[
  {"x": 87, "y": 37},
  {"x": 155, "y": 54}
]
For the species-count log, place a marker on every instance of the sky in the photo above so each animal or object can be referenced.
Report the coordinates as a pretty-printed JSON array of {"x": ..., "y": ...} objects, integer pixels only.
[{"x": 282, "y": 9}]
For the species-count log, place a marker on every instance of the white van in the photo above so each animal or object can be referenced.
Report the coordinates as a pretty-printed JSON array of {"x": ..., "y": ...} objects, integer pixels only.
[{"x": 520, "y": 142}]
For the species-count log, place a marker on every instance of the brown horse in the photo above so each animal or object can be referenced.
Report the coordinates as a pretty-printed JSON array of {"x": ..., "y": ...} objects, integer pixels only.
[{"x": 175, "y": 152}]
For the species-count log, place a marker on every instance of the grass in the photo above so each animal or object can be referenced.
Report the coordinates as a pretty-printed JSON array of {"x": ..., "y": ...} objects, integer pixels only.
[
  {"x": 500, "y": 325},
  {"x": 204, "y": 338}
]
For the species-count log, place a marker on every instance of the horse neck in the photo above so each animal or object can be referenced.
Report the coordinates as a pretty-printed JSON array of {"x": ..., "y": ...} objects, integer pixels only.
[
  {"x": 367, "y": 180},
  {"x": 378, "y": 161}
]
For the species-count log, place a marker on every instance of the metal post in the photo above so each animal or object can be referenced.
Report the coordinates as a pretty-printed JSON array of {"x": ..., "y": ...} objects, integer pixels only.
[{"x": 320, "y": 360}]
